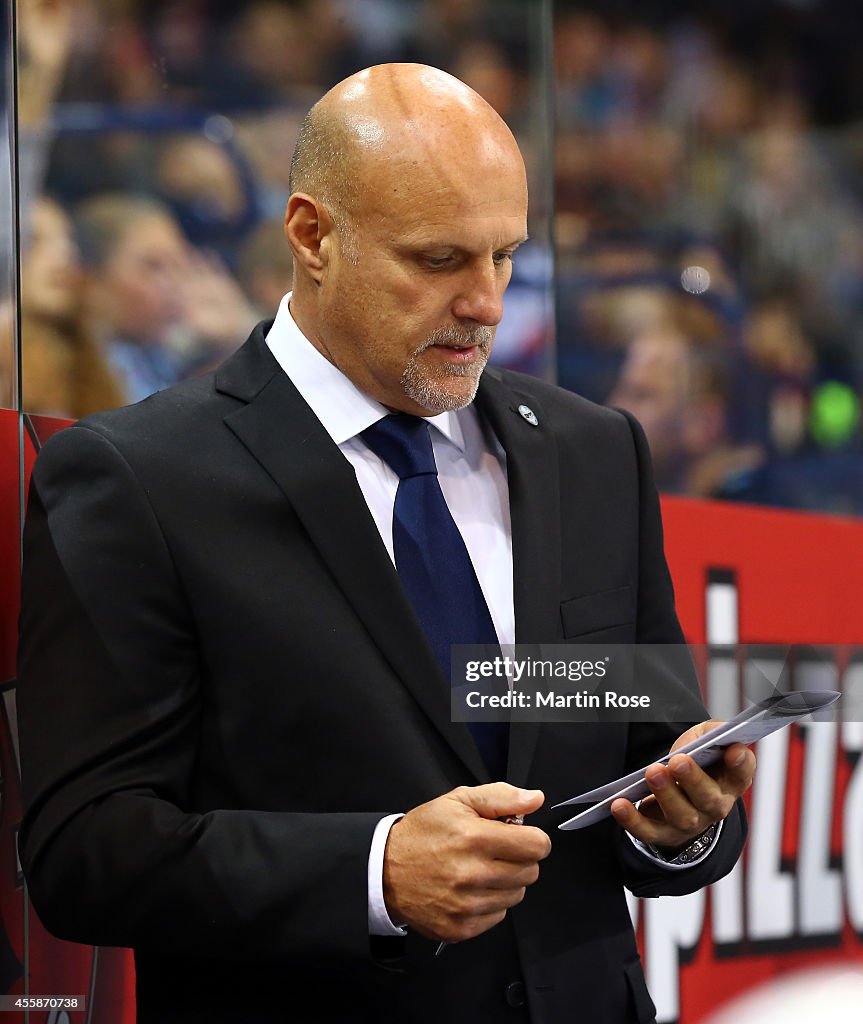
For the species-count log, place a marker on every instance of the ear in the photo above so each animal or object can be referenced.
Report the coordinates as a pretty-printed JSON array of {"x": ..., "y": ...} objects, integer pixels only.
[{"x": 308, "y": 227}]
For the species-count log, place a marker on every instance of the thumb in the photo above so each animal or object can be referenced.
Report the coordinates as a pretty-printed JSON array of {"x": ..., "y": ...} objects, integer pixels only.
[
  {"x": 693, "y": 733},
  {"x": 499, "y": 799}
]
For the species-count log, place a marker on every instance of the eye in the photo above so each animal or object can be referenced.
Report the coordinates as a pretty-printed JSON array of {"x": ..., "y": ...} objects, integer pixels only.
[
  {"x": 499, "y": 258},
  {"x": 436, "y": 262}
]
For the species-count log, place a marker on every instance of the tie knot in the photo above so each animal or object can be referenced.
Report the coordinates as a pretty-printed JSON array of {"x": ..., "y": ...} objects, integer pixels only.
[{"x": 404, "y": 443}]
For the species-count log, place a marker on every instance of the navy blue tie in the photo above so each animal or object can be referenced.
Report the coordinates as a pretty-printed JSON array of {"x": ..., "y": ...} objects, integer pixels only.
[{"x": 433, "y": 562}]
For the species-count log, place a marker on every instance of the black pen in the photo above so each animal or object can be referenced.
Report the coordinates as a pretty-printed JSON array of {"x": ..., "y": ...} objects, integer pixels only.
[{"x": 512, "y": 819}]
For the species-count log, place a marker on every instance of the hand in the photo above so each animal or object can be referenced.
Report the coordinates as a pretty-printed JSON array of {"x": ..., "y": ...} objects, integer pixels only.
[
  {"x": 45, "y": 34},
  {"x": 686, "y": 799},
  {"x": 216, "y": 310},
  {"x": 452, "y": 870},
  {"x": 44, "y": 38}
]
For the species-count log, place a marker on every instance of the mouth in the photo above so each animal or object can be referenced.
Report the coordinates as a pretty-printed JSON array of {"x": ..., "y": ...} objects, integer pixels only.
[
  {"x": 443, "y": 373},
  {"x": 458, "y": 353},
  {"x": 478, "y": 340}
]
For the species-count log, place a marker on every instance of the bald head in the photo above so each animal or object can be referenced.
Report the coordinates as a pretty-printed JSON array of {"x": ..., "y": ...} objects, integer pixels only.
[
  {"x": 401, "y": 117},
  {"x": 408, "y": 202}
]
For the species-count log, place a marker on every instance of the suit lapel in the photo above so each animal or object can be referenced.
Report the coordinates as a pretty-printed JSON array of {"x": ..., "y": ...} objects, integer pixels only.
[
  {"x": 534, "y": 501},
  {"x": 280, "y": 430}
]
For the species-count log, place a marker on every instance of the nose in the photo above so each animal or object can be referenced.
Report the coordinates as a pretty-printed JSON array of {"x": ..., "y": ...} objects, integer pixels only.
[{"x": 480, "y": 295}]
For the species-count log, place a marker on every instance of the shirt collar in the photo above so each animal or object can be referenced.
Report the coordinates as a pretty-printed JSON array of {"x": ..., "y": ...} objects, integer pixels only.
[{"x": 344, "y": 410}]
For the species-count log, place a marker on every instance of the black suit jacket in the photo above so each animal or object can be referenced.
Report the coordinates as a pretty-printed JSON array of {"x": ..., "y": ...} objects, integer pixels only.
[{"x": 223, "y": 688}]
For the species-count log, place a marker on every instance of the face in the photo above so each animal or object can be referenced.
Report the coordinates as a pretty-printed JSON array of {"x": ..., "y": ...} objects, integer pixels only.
[
  {"x": 408, "y": 310},
  {"x": 653, "y": 386},
  {"x": 50, "y": 272},
  {"x": 142, "y": 280}
]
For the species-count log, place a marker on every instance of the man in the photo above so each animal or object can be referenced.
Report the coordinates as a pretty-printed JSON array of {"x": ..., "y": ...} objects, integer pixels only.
[
  {"x": 678, "y": 390},
  {"x": 228, "y": 692}
]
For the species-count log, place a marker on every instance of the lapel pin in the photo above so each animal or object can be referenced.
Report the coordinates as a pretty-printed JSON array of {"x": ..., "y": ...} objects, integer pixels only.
[{"x": 528, "y": 414}]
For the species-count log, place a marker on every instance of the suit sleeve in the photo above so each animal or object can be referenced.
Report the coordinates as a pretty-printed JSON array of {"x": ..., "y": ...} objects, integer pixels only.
[
  {"x": 658, "y": 624},
  {"x": 110, "y": 690}
]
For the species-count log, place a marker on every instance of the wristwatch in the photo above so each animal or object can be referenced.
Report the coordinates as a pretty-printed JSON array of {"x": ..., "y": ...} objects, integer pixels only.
[{"x": 692, "y": 851}]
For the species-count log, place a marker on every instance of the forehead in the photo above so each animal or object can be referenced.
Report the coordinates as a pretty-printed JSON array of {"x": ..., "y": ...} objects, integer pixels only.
[
  {"x": 434, "y": 185},
  {"x": 150, "y": 233}
]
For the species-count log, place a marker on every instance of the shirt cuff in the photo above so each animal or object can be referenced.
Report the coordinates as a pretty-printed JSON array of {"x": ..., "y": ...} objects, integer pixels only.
[
  {"x": 645, "y": 851},
  {"x": 379, "y": 919}
]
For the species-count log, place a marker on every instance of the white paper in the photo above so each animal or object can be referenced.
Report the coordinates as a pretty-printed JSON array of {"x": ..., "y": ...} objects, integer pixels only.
[{"x": 749, "y": 726}]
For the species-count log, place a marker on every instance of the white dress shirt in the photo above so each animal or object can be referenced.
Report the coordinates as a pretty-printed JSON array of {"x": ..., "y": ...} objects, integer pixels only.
[
  {"x": 472, "y": 474},
  {"x": 471, "y": 465}
]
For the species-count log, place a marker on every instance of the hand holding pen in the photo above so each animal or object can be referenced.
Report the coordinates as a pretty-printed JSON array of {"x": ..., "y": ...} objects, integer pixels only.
[
  {"x": 451, "y": 870},
  {"x": 510, "y": 819}
]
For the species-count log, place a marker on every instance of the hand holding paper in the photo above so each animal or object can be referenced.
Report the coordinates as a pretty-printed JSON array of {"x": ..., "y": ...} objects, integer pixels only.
[
  {"x": 682, "y": 799},
  {"x": 685, "y": 800}
]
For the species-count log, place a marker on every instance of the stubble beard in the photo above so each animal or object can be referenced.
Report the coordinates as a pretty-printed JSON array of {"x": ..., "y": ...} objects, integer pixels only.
[{"x": 432, "y": 392}]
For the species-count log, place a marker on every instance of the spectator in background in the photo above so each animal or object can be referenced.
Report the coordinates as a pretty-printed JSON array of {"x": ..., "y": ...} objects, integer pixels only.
[
  {"x": 798, "y": 232},
  {"x": 267, "y": 142},
  {"x": 63, "y": 370},
  {"x": 162, "y": 309},
  {"x": 207, "y": 190},
  {"x": 667, "y": 125},
  {"x": 441, "y": 27},
  {"x": 679, "y": 391},
  {"x": 485, "y": 67},
  {"x": 265, "y": 267},
  {"x": 280, "y": 50},
  {"x": 216, "y": 314},
  {"x": 135, "y": 257},
  {"x": 44, "y": 36}
]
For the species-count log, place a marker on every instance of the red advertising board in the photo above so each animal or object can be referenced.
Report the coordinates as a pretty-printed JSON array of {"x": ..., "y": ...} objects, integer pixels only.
[
  {"x": 763, "y": 576},
  {"x": 32, "y": 962}
]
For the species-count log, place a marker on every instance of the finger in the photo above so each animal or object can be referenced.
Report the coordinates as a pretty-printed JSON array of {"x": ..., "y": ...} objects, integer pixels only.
[
  {"x": 738, "y": 766},
  {"x": 693, "y": 733},
  {"x": 460, "y": 929},
  {"x": 475, "y": 894},
  {"x": 508, "y": 898},
  {"x": 675, "y": 802},
  {"x": 712, "y": 797},
  {"x": 499, "y": 799},
  {"x": 505, "y": 875},
  {"x": 519, "y": 845},
  {"x": 646, "y": 829},
  {"x": 672, "y": 818},
  {"x": 734, "y": 773},
  {"x": 482, "y": 902}
]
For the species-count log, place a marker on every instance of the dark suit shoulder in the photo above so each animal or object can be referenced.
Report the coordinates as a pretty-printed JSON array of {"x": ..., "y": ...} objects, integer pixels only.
[
  {"x": 164, "y": 411},
  {"x": 186, "y": 415},
  {"x": 139, "y": 433}
]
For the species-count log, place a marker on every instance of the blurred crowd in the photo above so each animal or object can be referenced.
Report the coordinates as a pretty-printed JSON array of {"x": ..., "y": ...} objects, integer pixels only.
[
  {"x": 154, "y": 144},
  {"x": 707, "y": 218},
  {"x": 709, "y": 231}
]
